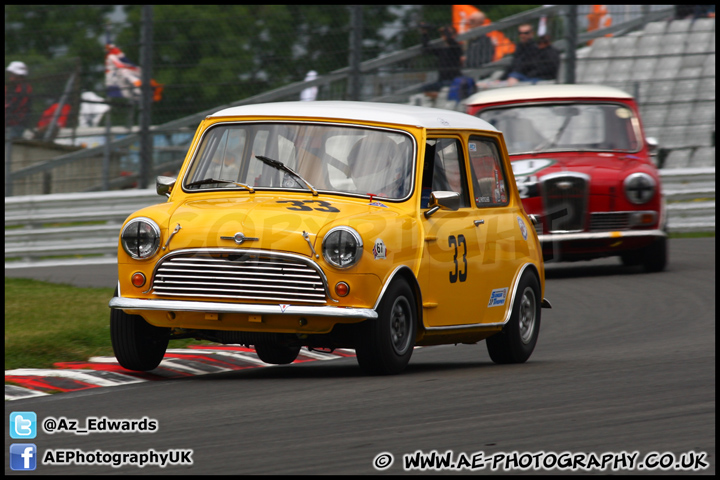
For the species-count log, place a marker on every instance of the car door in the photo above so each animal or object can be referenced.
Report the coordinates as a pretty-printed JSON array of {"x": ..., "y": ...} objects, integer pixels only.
[
  {"x": 501, "y": 233},
  {"x": 451, "y": 255}
]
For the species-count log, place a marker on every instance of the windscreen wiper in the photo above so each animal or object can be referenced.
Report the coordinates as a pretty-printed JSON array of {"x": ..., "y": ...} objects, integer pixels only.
[
  {"x": 281, "y": 166},
  {"x": 207, "y": 181},
  {"x": 552, "y": 141}
]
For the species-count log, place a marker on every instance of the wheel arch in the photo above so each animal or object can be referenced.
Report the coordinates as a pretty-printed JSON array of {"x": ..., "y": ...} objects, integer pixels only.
[{"x": 404, "y": 272}]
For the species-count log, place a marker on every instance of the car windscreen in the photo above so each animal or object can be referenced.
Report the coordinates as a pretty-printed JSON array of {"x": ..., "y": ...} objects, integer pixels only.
[
  {"x": 331, "y": 158},
  {"x": 566, "y": 127}
]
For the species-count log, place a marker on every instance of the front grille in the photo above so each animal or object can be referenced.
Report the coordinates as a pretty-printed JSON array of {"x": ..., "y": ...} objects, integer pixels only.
[
  {"x": 603, "y": 222},
  {"x": 256, "y": 277},
  {"x": 565, "y": 199}
]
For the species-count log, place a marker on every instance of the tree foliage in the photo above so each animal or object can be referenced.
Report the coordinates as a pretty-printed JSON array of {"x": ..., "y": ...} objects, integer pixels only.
[{"x": 211, "y": 55}]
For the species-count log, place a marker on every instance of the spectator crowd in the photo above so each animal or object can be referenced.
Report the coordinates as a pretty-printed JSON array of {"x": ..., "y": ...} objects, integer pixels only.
[{"x": 532, "y": 60}]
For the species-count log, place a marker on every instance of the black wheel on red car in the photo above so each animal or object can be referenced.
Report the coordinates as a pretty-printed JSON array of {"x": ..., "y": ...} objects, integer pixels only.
[
  {"x": 630, "y": 259},
  {"x": 276, "y": 353},
  {"x": 654, "y": 257},
  {"x": 137, "y": 344},
  {"x": 386, "y": 343},
  {"x": 516, "y": 342}
]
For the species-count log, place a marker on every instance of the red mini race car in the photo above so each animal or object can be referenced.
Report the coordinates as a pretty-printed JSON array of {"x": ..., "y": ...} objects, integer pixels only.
[{"x": 584, "y": 170}]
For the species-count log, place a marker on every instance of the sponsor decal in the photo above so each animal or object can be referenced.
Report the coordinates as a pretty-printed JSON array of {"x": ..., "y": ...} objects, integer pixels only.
[
  {"x": 523, "y": 228},
  {"x": 472, "y": 147},
  {"x": 497, "y": 297},
  {"x": 530, "y": 166},
  {"x": 379, "y": 250},
  {"x": 378, "y": 204},
  {"x": 527, "y": 186}
]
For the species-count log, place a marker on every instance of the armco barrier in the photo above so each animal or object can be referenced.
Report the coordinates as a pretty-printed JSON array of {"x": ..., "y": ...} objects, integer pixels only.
[{"x": 39, "y": 229}]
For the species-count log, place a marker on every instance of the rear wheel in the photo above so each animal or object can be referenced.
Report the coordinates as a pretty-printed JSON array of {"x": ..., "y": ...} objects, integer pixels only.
[
  {"x": 137, "y": 344},
  {"x": 516, "y": 342},
  {"x": 386, "y": 343}
]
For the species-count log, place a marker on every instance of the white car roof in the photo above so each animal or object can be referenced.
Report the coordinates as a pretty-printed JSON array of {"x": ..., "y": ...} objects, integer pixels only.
[
  {"x": 542, "y": 92},
  {"x": 363, "y": 111}
]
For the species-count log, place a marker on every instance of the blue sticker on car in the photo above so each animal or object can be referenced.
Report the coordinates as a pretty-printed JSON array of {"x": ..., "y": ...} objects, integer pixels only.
[{"x": 497, "y": 297}]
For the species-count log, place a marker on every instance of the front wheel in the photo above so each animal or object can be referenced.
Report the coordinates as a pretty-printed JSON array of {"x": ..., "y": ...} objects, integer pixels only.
[
  {"x": 516, "y": 342},
  {"x": 655, "y": 256},
  {"x": 386, "y": 343},
  {"x": 137, "y": 344}
]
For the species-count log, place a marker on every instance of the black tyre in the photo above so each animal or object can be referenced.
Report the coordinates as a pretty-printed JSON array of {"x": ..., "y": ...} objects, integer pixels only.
[
  {"x": 630, "y": 259},
  {"x": 654, "y": 258},
  {"x": 516, "y": 342},
  {"x": 137, "y": 344},
  {"x": 276, "y": 353},
  {"x": 386, "y": 343}
]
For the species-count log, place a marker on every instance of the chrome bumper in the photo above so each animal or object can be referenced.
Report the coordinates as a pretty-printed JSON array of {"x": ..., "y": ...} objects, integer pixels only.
[
  {"x": 564, "y": 237},
  {"x": 252, "y": 309}
]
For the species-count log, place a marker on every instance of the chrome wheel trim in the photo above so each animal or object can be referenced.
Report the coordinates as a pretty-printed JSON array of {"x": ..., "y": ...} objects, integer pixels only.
[{"x": 526, "y": 315}]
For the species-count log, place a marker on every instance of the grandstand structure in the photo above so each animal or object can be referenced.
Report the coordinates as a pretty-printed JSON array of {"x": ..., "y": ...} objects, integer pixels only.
[{"x": 670, "y": 68}]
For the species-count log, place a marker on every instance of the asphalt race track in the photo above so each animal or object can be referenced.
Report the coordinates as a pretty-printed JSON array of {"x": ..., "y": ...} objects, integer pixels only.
[{"x": 625, "y": 364}]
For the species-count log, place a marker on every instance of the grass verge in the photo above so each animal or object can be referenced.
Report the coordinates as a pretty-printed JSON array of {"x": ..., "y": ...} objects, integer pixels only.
[
  {"x": 691, "y": 234},
  {"x": 47, "y": 323}
]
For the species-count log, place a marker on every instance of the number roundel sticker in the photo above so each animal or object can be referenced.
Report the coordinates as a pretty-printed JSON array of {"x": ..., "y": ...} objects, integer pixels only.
[{"x": 523, "y": 228}]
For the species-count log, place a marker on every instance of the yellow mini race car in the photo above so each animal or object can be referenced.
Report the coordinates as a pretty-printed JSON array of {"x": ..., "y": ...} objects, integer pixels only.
[{"x": 374, "y": 227}]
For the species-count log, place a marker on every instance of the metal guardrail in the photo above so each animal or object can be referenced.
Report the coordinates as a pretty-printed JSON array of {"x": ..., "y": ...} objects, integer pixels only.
[{"x": 41, "y": 228}]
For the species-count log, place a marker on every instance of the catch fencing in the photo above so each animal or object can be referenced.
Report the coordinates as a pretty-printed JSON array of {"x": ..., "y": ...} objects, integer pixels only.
[{"x": 239, "y": 55}]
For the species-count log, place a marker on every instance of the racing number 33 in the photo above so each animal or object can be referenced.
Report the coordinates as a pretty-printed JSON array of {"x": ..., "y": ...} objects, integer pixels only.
[
  {"x": 300, "y": 206},
  {"x": 457, "y": 274}
]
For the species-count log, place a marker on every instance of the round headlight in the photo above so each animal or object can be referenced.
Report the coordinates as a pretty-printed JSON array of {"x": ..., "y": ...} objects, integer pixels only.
[
  {"x": 342, "y": 247},
  {"x": 639, "y": 188},
  {"x": 140, "y": 238}
]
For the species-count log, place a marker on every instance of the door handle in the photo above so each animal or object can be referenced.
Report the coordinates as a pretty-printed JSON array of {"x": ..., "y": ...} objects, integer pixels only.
[{"x": 479, "y": 222}]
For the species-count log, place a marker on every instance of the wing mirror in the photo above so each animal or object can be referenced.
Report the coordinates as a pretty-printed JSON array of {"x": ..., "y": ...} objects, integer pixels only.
[
  {"x": 443, "y": 200},
  {"x": 164, "y": 185},
  {"x": 652, "y": 145}
]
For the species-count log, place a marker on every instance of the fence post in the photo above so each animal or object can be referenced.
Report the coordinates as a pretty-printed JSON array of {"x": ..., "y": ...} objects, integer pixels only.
[
  {"x": 8, "y": 168},
  {"x": 571, "y": 35},
  {"x": 356, "y": 21},
  {"x": 49, "y": 134},
  {"x": 107, "y": 150},
  {"x": 146, "y": 147}
]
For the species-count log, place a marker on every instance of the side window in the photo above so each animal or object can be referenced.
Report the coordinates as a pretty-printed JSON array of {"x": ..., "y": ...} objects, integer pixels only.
[
  {"x": 444, "y": 170},
  {"x": 488, "y": 176}
]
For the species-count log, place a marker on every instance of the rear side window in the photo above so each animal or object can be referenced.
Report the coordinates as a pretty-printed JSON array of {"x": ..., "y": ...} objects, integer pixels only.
[{"x": 488, "y": 176}]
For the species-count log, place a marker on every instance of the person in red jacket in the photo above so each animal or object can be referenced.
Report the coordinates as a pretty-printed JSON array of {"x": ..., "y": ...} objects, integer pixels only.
[{"x": 18, "y": 97}]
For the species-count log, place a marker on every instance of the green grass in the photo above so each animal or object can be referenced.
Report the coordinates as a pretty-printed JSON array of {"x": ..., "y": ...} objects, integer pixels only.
[
  {"x": 691, "y": 234},
  {"x": 47, "y": 323}
]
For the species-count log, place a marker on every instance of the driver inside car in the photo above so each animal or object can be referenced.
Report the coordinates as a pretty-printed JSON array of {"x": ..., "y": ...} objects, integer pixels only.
[{"x": 376, "y": 165}]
